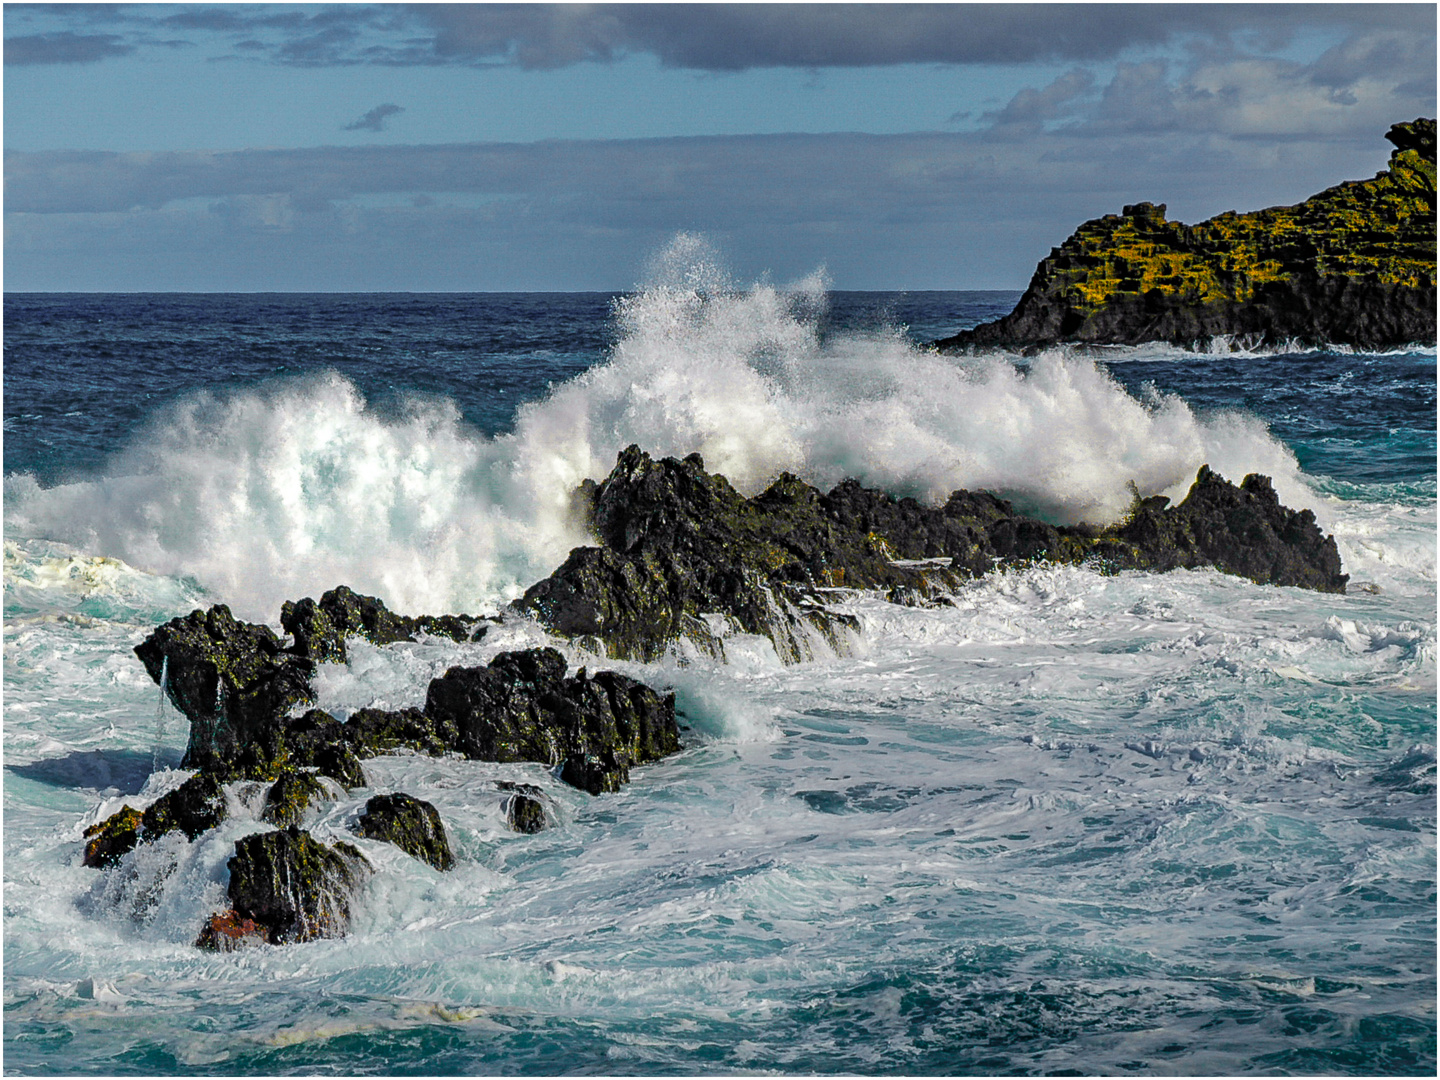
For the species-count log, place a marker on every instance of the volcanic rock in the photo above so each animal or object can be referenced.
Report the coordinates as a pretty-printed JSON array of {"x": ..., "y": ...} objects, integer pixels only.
[
  {"x": 1352, "y": 265},
  {"x": 525, "y": 807},
  {"x": 681, "y": 550},
  {"x": 232, "y": 680},
  {"x": 292, "y": 887},
  {"x": 291, "y": 796},
  {"x": 413, "y": 825},
  {"x": 194, "y": 807},
  {"x": 523, "y": 708},
  {"x": 320, "y": 629},
  {"x": 109, "y": 840}
]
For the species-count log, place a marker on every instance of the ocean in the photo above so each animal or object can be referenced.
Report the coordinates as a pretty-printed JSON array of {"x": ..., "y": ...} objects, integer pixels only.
[{"x": 1075, "y": 823}]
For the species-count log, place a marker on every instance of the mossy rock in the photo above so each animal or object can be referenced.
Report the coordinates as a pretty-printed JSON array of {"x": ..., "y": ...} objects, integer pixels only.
[
  {"x": 291, "y": 797},
  {"x": 413, "y": 825},
  {"x": 293, "y": 887},
  {"x": 109, "y": 840}
]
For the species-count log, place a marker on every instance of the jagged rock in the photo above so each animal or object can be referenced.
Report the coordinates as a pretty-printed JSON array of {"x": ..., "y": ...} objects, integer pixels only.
[
  {"x": 232, "y": 680},
  {"x": 1352, "y": 265},
  {"x": 523, "y": 708},
  {"x": 375, "y": 731},
  {"x": 290, "y": 797},
  {"x": 292, "y": 887},
  {"x": 194, "y": 807},
  {"x": 413, "y": 825},
  {"x": 524, "y": 807},
  {"x": 680, "y": 544},
  {"x": 320, "y": 629},
  {"x": 109, "y": 840}
]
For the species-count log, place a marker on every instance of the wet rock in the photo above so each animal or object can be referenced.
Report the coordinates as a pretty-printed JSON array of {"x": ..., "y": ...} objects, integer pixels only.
[
  {"x": 376, "y": 731},
  {"x": 227, "y": 932},
  {"x": 1354, "y": 265},
  {"x": 194, "y": 807},
  {"x": 523, "y": 708},
  {"x": 413, "y": 825},
  {"x": 680, "y": 550},
  {"x": 108, "y": 840},
  {"x": 524, "y": 807},
  {"x": 290, "y": 797},
  {"x": 294, "y": 888},
  {"x": 320, "y": 629},
  {"x": 232, "y": 680}
]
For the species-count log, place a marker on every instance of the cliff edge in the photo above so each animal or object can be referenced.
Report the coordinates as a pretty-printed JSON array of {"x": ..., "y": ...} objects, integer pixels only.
[{"x": 1353, "y": 265}]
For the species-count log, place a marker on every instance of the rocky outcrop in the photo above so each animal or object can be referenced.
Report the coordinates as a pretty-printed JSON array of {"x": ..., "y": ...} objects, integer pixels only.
[
  {"x": 194, "y": 807},
  {"x": 524, "y": 807},
  {"x": 232, "y": 680},
  {"x": 289, "y": 887},
  {"x": 522, "y": 708},
  {"x": 320, "y": 629},
  {"x": 291, "y": 797},
  {"x": 1353, "y": 265},
  {"x": 413, "y": 825},
  {"x": 681, "y": 550}
]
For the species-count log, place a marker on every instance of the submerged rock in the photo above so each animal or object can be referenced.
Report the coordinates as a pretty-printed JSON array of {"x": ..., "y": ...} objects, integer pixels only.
[
  {"x": 523, "y": 708},
  {"x": 227, "y": 932},
  {"x": 681, "y": 549},
  {"x": 413, "y": 825},
  {"x": 1352, "y": 265},
  {"x": 524, "y": 807},
  {"x": 292, "y": 887}
]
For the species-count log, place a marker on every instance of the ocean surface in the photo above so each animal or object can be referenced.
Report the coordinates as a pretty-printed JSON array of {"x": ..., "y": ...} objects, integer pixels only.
[{"x": 1074, "y": 824}]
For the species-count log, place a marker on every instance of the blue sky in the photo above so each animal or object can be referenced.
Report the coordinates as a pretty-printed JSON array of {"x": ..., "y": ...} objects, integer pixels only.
[{"x": 459, "y": 147}]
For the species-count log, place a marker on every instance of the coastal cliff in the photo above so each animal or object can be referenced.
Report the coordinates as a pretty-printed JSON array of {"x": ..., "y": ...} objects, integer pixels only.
[{"x": 1353, "y": 265}]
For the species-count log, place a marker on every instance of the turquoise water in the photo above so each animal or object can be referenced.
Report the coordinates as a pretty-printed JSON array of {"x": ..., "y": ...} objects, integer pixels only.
[{"x": 1074, "y": 823}]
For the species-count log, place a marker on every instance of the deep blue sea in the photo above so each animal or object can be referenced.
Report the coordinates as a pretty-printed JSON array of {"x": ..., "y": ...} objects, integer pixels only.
[{"x": 1073, "y": 824}]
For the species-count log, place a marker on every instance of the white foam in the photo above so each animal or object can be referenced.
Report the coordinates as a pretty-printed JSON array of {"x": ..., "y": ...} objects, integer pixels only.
[{"x": 294, "y": 486}]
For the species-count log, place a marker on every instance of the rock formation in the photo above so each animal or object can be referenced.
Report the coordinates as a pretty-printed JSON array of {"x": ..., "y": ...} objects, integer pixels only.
[
  {"x": 1353, "y": 265},
  {"x": 413, "y": 825},
  {"x": 681, "y": 550}
]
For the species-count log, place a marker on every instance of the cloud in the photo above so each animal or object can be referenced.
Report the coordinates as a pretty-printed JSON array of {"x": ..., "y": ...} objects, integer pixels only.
[
  {"x": 64, "y": 48},
  {"x": 1030, "y": 109},
  {"x": 374, "y": 120},
  {"x": 738, "y": 37}
]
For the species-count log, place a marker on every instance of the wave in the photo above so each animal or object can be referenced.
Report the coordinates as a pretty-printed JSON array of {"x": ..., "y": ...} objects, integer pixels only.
[{"x": 292, "y": 486}]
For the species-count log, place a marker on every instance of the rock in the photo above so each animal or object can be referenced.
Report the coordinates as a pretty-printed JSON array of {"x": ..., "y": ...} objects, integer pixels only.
[
  {"x": 320, "y": 629},
  {"x": 523, "y": 708},
  {"x": 292, "y": 887},
  {"x": 1352, "y": 265},
  {"x": 290, "y": 797},
  {"x": 375, "y": 731},
  {"x": 525, "y": 807},
  {"x": 227, "y": 931},
  {"x": 681, "y": 549},
  {"x": 194, "y": 807},
  {"x": 233, "y": 680},
  {"x": 413, "y": 825},
  {"x": 110, "y": 839}
]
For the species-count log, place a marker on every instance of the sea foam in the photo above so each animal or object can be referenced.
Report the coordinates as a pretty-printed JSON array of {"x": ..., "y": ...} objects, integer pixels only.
[{"x": 293, "y": 486}]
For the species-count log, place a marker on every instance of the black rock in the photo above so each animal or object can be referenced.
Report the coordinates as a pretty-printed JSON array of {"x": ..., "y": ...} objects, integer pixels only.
[
  {"x": 290, "y": 797},
  {"x": 413, "y": 825},
  {"x": 294, "y": 888},
  {"x": 107, "y": 841},
  {"x": 524, "y": 807},
  {"x": 194, "y": 807},
  {"x": 376, "y": 731},
  {"x": 232, "y": 680},
  {"x": 523, "y": 708},
  {"x": 320, "y": 629},
  {"x": 679, "y": 545}
]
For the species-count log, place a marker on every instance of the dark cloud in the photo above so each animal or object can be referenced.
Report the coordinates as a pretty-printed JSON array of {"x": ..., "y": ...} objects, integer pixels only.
[
  {"x": 374, "y": 120},
  {"x": 64, "y": 48},
  {"x": 736, "y": 37}
]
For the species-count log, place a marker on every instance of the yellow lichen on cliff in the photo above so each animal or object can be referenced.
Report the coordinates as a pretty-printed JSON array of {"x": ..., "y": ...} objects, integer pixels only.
[{"x": 1380, "y": 230}]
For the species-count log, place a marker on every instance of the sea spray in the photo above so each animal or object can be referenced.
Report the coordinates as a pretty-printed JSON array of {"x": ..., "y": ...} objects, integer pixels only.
[{"x": 291, "y": 487}]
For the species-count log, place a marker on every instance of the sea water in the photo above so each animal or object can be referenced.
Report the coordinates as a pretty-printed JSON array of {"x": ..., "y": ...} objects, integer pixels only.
[{"x": 1075, "y": 822}]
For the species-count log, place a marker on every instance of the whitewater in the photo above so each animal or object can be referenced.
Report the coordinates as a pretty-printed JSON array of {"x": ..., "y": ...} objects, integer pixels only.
[{"x": 1144, "y": 824}]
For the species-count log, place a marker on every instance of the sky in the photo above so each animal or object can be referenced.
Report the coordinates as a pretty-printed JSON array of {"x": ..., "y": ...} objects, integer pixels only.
[{"x": 479, "y": 147}]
